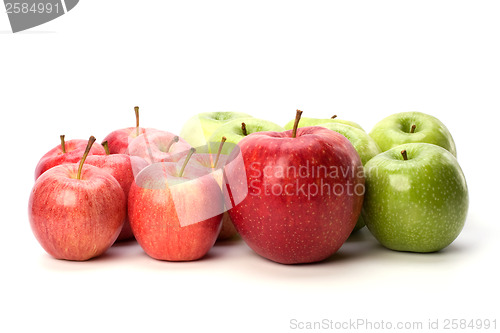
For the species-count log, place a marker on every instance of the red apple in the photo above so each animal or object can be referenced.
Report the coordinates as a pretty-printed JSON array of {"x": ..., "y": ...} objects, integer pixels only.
[
  {"x": 119, "y": 140},
  {"x": 175, "y": 215},
  {"x": 159, "y": 146},
  {"x": 76, "y": 211},
  {"x": 67, "y": 152},
  {"x": 305, "y": 192},
  {"x": 123, "y": 168}
]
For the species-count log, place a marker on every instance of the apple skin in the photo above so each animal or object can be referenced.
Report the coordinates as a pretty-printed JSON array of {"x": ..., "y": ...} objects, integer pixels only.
[
  {"x": 290, "y": 226},
  {"x": 198, "y": 129},
  {"x": 418, "y": 205},
  {"x": 76, "y": 219},
  {"x": 366, "y": 147},
  {"x": 152, "y": 146},
  {"x": 394, "y": 130},
  {"x": 119, "y": 140},
  {"x": 304, "y": 121},
  {"x": 123, "y": 168},
  {"x": 74, "y": 153},
  {"x": 172, "y": 218}
]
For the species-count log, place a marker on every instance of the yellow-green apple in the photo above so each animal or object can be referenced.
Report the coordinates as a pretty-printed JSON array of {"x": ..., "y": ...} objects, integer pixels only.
[
  {"x": 416, "y": 198},
  {"x": 305, "y": 192},
  {"x": 123, "y": 168},
  {"x": 366, "y": 147},
  {"x": 198, "y": 129},
  {"x": 67, "y": 152},
  {"x": 158, "y": 146},
  {"x": 76, "y": 211},
  {"x": 408, "y": 127},
  {"x": 175, "y": 212},
  {"x": 316, "y": 121}
]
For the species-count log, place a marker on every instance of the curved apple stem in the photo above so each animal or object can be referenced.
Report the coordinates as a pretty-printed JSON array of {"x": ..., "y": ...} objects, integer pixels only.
[
  {"x": 106, "y": 147},
  {"x": 219, "y": 151},
  {"x": 296, "y": 123},
  {"x": 405, "y": 155},
  {"x": 136, "y": 109},
  {"x": 191, "y": 152},
  {"x": 334, "y": 116},
  {"x": 171, "y": 143},
  {"x": 63, "y": 144},
  {"x": 87, "y": 151},
  {"x": 413, "y": 127},
  {"x": 244, "y": 129}
]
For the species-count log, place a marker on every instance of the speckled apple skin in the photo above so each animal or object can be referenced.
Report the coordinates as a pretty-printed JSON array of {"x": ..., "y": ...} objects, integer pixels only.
[
  {"x": 154, "y": 217},
  {"x": 295, "y": 229},
  {"x": 119, "y": 140},
  {"x": 418, "y": 205},
  {"x": 76, "y": 219},
  {"x": 151, "y": 146},
  {"x": 74, "y": 153}
]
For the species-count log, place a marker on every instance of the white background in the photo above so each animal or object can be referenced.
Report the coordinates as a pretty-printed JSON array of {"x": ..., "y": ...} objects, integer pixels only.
[{"x": 82, "y": 74}]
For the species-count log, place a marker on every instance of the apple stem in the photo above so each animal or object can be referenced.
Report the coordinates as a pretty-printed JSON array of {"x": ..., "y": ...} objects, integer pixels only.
[
  {"x": 174, "y": 140},
  {"x": 87, "y": 151},
  {"x": 106, "y": 147},
  {"x": 405, "y": 156},
  {"x": 244, "y": 129},
  {"x": 219, "y": 151},
  {"x": 334, "y": 116},
  {"x": 413, "y": 127},
  {"x": 296, "y": 123},
  {"x": 63, "y": 144},
  {"x": 191, "y": 152},
  {"x": 136, "y": 109}
]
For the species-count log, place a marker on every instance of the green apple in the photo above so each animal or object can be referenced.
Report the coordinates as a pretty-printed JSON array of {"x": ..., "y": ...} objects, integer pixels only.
[
  {"x": 234, "y": 131},
  {"x": 199, "y": 128},
  {"x": 364, "y": 145},
  {"x": 304, "y": 121},
  {"x": 416, "y": 198},
  {"x": 408, "y": 127}
]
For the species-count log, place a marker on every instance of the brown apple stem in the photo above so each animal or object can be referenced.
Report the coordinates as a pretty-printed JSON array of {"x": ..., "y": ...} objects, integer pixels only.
[
  {"x": 191, "y": 152},
  {"x": 413, "y": 127},
  {"x": 106, "y": 147},
  {"x": 296, "y": 123},
  {"x": 334, "y": 116},
  {"x": 405, "y": 156},
  {"x": 87, "y": 151},
  {"x": 136, "y": 109},
  {"x": 244, "y": 129},
  {"x": 219, "y": 151},
  {"x": 171, "y": 143},
  {"x": 63, "y": 144}
]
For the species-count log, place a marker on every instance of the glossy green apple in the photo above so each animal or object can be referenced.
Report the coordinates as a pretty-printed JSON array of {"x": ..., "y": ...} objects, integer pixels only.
[
  {"x": 198, "y": 129},
  {"x": 364, "y": 145},
  {"x": 316, "y": 121},
  {"x": 419, "y": 204},
  {"x": 397, "y": 129},
  {"x": 234, "y": 132}
]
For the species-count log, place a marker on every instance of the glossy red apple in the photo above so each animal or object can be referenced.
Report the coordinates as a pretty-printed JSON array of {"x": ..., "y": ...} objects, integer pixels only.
[
  {"x": 123, "y": 168},
  {"x": 175, "y": 214},
  {"x": 305, "y": 192},
  {"x": 76, "y": 211},
  {"x": 159, "y": 146},
  {"x": 67, "y": 152},
  {"x": 119, "y": 140}
]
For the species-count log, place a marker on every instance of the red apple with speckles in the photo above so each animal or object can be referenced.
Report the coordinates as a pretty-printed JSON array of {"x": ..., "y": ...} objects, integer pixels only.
[
  {"x": 67, "y": 152},
  {"x": 159, "y": 146},
  {"x": 175, "y": 213},
  {"x": 123, "y": 168},
  {"x": 76, "y": 211},
  {"x": 305, "y": 192}
]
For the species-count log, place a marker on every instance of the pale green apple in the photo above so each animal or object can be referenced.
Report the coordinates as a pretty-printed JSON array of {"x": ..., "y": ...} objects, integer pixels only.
[
  {"x": 233, "y": 131},
  {"x": 397, "y": 129},
  {"x": 199, "y": 128},
  {"x": 304, "y": 121},
  {"x": 419, "y": 204},
  {"x": 364, "y": 145}
]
